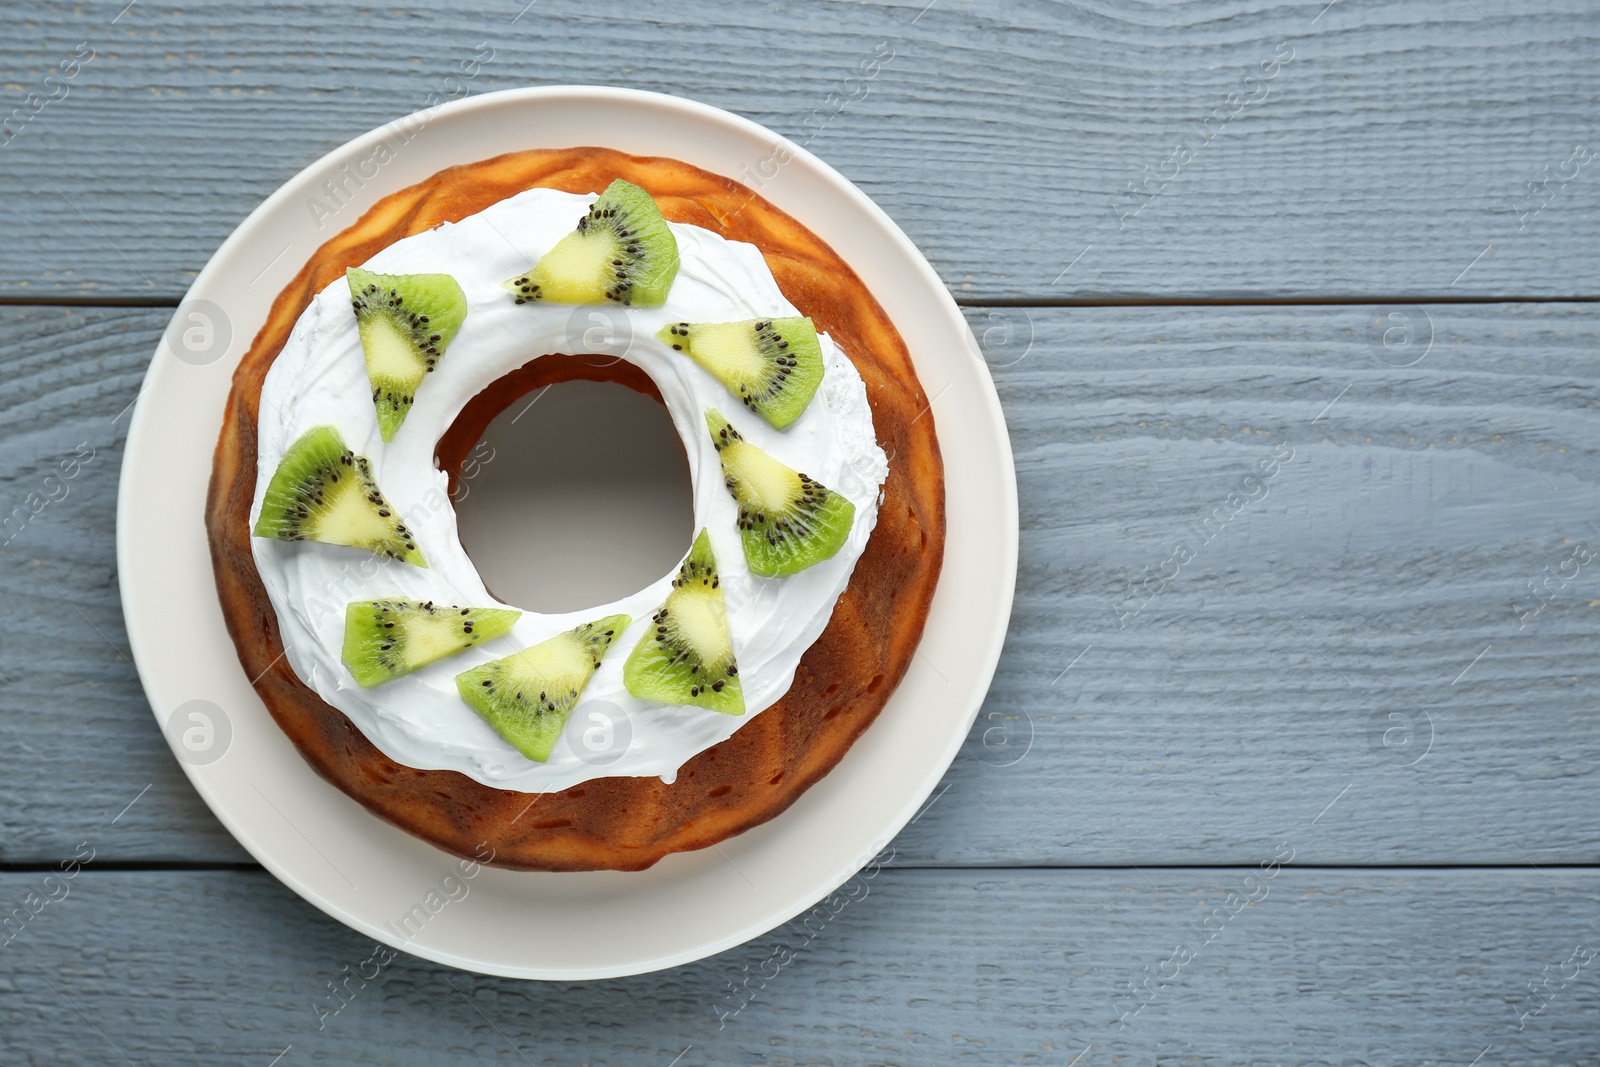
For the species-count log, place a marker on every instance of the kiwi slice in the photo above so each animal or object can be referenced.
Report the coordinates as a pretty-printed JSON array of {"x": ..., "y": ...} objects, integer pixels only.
[
  {"x": 773, "y": 365},
  {"x": 787, "y": 521},
  {"x": 384, "y": 639},
  {"x": 687, "y": 657},
  {"x": 622, "y": 252},
  {"x": 406, "y": 321},
  {"x": 322, "y": 492},
  {"x": 528, "y": 696}
]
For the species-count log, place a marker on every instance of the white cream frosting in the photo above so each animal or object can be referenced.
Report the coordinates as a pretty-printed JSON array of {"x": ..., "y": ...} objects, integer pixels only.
[{"x": 320, "y": 379}]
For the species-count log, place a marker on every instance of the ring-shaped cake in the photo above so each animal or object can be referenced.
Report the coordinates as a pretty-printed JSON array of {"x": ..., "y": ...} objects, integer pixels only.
[{"x": 819, "y": 651}]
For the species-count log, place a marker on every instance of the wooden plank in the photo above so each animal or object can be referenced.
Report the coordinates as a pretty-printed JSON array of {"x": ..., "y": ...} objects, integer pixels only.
[
  {"x": 1363, "y": 604},
  {"x": 83, "y": 742},
  {"x": 1390, "y": 151},
  {"x": 908, "y": 968},
  {"x": 1376, "y": 575}
]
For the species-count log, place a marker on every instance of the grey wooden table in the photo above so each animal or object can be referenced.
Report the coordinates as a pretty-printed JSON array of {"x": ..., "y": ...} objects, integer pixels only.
[{"x": 1291, "y": 758}]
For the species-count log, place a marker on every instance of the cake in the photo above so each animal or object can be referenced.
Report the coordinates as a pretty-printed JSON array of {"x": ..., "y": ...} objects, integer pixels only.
[{"x": 820, "y": 607}]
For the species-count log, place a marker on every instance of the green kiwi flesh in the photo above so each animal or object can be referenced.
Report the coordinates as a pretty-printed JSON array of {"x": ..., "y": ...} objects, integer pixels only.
[
  {"x": 773, "y": 365},
  {"x": 622, "y": 252},
  {"x": 527, "y": 697},
  {"x": 687, "y": 655},
  {"x": 787, "y": 521},
  {"x": 323, "y": 492},
  {"x": 406, "y": 322},
  {"x": 385, "y": 639}
]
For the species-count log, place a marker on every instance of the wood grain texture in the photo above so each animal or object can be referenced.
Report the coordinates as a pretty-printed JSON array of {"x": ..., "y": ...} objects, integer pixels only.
[
  {"x": 1253, "y": 688},
  {"x": 1390, "y": 156},
  {"x": 1364, "y": 581},
  {"x": 73, "y": 719},
  {"x": 1382, "y": 654},
  {"x": 921, "y": 967}
]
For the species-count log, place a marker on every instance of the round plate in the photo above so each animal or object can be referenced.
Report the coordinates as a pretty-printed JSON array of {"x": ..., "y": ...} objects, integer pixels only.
[{"x": 394, "y": 887}]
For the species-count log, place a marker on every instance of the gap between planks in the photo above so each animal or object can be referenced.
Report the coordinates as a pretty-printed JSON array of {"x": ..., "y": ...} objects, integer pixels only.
[{"x": 1112, "y": 301}]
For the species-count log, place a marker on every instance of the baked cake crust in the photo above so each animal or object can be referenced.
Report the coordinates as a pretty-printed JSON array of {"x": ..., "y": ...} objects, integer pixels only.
[{"x": 843, "y": 680}]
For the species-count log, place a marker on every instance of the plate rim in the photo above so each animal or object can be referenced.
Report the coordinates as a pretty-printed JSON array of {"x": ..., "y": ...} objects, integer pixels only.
[{"x": 985, "y": 658}]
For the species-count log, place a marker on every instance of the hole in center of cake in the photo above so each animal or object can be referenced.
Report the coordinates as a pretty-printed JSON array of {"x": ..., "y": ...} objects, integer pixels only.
[{"x": 576, "y": 493}]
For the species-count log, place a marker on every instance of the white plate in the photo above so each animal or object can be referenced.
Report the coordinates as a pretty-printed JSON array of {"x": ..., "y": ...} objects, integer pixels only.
[{"x": 366, "y": 873}]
